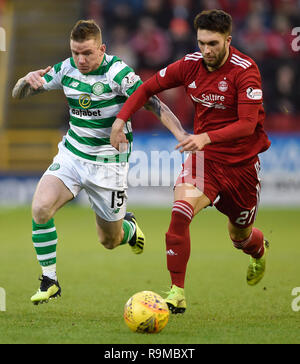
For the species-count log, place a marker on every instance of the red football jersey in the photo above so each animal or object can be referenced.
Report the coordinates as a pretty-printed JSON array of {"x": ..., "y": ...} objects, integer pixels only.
[{"x": 217, "y": 96}]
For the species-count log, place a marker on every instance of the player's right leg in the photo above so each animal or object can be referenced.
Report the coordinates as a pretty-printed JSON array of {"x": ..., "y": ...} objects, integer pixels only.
[
  {"x": 188, "y": 201},
  {"x": 50, "y": 195}
]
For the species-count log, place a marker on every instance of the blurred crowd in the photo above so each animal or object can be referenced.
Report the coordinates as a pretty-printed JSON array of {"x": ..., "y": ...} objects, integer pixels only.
[
  {"x": 2, "y": 4},
  {"x": 149, "y": 34}
]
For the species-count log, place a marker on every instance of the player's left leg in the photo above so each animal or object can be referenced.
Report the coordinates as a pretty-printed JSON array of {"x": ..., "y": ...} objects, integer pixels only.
[
  {"x": 251, "y": 241},
  {"x": 125, "y": 231},
  {"x": 110, "y": 233},
  {"x": 114, "y": 226},
  {"x": 137, "y": 241},
  {"x": 239, "y": 200},
  {"x": 106, "y": 189}
]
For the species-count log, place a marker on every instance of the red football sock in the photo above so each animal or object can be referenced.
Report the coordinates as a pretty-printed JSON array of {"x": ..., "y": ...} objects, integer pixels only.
[
  {"x": 253, "y": 245},
  {"x": 178, "y": 241}
]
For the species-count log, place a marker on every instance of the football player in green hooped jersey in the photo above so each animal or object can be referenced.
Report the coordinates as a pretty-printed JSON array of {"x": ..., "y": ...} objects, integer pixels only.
[{"x": 96, "y": 86}]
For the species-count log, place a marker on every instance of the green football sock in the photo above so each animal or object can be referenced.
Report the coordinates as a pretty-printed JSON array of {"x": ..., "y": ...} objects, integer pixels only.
[
  {"x": 129, "y": 230},
  {"x": 44, "y": 239}
]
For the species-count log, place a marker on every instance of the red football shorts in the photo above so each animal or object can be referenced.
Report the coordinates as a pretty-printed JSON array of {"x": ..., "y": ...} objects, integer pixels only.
[{"x": 233, "y": 190}]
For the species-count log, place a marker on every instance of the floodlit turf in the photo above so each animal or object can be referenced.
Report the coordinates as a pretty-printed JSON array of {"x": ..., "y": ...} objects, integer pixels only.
[{"x": 96, "y": 282}]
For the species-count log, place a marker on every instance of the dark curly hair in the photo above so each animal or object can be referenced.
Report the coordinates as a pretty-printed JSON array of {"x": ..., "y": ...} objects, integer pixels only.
[{"x": 214, "y": 20}]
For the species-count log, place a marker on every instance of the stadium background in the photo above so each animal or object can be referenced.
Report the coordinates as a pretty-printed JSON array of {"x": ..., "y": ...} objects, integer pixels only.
[
  {"x": 147, "y": 35},
  {"x": 221, "y": 307}
]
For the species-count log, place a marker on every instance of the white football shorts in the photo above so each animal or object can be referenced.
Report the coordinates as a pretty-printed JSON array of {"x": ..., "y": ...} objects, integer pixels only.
[{"x": 105, "y": 184}]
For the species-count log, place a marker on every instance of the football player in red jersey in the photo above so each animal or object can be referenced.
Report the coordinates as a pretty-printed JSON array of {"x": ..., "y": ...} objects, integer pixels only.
[{"x": 222, "y": 168}]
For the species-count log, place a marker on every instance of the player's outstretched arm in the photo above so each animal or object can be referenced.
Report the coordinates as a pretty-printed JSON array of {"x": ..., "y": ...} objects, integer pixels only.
[
  {"x": 167, "y": 118},
  {"x": 31, "y": 84},
  {"x": 145, "y": 95}
]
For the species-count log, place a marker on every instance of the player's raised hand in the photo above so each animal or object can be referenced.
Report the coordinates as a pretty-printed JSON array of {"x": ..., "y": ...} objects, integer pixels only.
[
  {"x": 31, "y": 84},
  {"x": 117, "y": 135},
  {"x": 35, "y": 78},
  {"x": 193, "y": 143}
]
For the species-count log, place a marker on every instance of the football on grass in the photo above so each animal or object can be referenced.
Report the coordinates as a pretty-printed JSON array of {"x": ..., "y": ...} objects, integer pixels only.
[{"x": 146, "y": 312}]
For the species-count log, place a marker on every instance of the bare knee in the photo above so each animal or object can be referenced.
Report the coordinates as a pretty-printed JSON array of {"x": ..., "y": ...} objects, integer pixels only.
[
  {"x": 41, "y": 212},
  {"x": 110, "y": 233},
  {"x": 109, "y": 242}
]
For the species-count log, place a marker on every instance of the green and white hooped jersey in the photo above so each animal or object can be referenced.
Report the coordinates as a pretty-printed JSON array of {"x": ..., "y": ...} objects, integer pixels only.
[{"x": 94, "y": 100}]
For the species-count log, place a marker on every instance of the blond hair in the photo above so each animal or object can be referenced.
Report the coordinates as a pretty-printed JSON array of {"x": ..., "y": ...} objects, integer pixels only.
[{"x": 85, "y": 30}]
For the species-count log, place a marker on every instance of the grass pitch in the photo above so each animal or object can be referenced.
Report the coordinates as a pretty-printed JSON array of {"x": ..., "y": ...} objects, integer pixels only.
[{"x": 96, "y": 282}]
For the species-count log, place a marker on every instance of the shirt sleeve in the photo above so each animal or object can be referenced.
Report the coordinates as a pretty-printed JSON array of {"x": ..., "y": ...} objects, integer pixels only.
[
  {"x": 123, "y": 80},
  {"x": 129, "y": 82},
  {"x": 171, "y": 76},
  {"x": 166, "y": 78},
  {"x": 53, "y": 78},
  {"x": 249, "y": 86},
  {"x": 244, "y": 126}
]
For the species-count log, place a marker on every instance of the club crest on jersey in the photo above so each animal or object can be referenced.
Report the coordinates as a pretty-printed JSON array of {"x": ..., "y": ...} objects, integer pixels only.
[
  {"x": 98, "y": 88},
  {"x": 54, "y": 167},
  {"x": 85, "y": 101},
  {"x": 223, "y": 86}
]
